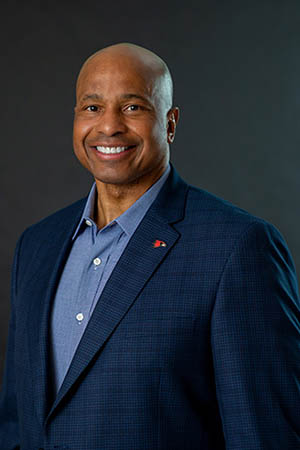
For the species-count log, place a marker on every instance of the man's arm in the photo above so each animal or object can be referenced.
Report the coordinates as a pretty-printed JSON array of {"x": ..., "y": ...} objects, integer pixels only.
[
  {"x": 256, "y": 344},
  {"x": 9, "y": 428}
]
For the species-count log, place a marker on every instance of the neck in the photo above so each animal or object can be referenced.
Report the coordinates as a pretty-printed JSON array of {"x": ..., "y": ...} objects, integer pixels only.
[{"x": 114, "y": 199}]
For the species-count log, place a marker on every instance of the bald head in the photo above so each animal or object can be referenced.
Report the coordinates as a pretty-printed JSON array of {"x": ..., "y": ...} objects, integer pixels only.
[
  {"x": 124, "y": 119},
  {"x": 148, "y": 64}
]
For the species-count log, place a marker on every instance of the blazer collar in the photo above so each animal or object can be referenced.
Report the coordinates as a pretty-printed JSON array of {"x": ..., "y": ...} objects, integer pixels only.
[{"x": 121, "y": 290}]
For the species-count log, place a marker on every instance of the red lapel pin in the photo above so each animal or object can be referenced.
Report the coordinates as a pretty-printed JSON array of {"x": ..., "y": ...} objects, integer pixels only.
[{"x": 158, "y": 243}]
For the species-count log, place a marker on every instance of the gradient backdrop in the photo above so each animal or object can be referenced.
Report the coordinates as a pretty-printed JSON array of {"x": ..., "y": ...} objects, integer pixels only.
[{"x": 236, "y": 67}]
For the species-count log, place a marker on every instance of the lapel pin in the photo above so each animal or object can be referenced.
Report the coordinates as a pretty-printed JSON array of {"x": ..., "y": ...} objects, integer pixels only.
[{"x": 158, "y": 243}]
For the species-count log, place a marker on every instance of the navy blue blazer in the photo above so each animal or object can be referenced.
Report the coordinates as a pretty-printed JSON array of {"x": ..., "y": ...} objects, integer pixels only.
[{"x": 192, "y": 346}]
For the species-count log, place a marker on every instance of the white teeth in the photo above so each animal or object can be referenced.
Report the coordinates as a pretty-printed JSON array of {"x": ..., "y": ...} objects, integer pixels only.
[{"x": 108, "y": 150}]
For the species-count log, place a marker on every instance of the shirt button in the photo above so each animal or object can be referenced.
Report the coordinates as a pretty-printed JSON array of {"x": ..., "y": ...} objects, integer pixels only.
[
  {"x": 79, "y": 317},
  {"x": 88, "y": 222},
  {"x": 97, "y": 261}
]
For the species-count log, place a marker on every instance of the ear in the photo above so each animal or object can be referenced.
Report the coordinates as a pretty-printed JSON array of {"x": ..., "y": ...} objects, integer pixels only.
[{"x": 172, "y": 118}]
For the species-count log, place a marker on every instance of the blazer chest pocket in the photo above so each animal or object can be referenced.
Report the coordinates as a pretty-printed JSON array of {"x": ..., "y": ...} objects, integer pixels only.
[{"x": 157, "y": 342}]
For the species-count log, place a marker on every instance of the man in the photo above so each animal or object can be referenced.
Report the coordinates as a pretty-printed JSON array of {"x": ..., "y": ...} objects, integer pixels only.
[{"x": 151, "y": 315}]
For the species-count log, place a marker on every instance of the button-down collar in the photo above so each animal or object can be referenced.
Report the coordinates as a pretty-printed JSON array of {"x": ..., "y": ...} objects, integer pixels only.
[{"x": 132, "y": 217}]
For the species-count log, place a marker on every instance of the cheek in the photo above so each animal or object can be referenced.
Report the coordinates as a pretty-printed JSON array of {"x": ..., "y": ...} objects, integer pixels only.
[
  {"x": 80, "y": 130},
  {"x": 159, "y": 134},
  {"x": 79, "y": 153},
  {"x": 152, "y": 132}
]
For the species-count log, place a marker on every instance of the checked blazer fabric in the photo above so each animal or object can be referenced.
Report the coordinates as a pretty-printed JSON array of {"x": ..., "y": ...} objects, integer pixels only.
[{"x": 193, "y": 345}]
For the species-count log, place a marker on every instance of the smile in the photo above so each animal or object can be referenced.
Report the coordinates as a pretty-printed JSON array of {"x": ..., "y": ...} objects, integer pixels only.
[{"x": 111, "y": 150}]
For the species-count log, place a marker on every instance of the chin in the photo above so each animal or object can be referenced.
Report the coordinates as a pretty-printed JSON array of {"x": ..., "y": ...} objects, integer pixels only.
[{"x": 118, "y": 181}]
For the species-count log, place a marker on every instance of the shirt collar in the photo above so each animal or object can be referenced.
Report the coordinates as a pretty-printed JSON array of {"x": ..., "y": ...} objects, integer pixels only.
[
  {"x": 132, "y": 217},
  {"x": 88, "y": 212}
]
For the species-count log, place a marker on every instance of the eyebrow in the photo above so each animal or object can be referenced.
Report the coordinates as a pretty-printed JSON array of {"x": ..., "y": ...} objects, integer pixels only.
[
  {"x": 91, "y": 97},
  {"x": 140, "y": 97},
  {"x": 124, "y": 96}
]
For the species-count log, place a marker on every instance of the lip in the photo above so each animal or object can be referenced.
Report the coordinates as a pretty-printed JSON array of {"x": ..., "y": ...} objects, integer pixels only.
[
  {"x": 112, "y": 156},
  {"x": 104, "y": 144}
]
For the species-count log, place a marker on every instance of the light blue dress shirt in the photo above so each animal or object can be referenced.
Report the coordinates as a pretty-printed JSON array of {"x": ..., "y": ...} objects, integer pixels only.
[{"x": 92, "y": 258}]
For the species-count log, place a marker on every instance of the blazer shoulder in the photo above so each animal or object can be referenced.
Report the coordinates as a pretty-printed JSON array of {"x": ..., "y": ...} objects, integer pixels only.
[
  {"x": 218, "y": 215},
  {"x": 221, "y": 225},
  {"x": 208, "y": 206},
  {"x": 61, "y": 219}
]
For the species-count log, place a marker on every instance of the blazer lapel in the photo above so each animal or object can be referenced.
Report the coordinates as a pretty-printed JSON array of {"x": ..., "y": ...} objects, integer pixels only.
[
  {"x": 129, "y": 276},
  {"x": 49, "y": 265}
]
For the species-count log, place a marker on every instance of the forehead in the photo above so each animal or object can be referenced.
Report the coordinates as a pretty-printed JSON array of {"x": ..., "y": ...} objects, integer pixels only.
[{"x": 115, "y": 76}]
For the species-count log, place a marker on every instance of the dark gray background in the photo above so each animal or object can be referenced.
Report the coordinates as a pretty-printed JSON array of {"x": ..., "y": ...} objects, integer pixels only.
[{"x": 237, "y": 81}]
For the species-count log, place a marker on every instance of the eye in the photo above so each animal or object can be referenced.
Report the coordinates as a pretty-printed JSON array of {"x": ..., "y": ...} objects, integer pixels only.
[
  {"x": 133, "y": 108},
  {"x": 92, "y": 108}
]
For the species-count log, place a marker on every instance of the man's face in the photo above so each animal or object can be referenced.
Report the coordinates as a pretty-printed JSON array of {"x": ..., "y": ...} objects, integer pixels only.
[{"x": 121, "y": 123}]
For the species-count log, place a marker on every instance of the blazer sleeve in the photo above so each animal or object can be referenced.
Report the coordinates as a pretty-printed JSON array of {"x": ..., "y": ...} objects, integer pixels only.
[
  {"x": 256, "y": 344},
  {"x": 9, "y": 426}
]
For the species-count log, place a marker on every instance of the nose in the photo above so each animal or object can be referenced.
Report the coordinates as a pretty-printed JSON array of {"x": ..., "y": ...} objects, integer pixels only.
[{"x": 110, "y": 122}]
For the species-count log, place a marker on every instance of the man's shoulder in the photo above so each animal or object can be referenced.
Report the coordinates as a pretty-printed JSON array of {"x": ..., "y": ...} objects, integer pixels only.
[
  {"x": 220, "y": 217},
  {"x": 210, "y": 217},
  {"x": 63, "y": 218},
  {"x": 206, "y": 204}
]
